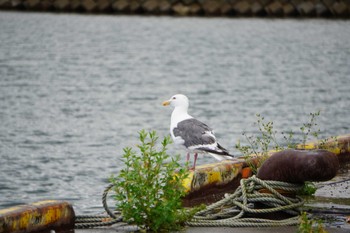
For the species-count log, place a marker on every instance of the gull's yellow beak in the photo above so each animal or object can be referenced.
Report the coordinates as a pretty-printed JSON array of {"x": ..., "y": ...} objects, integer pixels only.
[{"x": 166, "y": 103}]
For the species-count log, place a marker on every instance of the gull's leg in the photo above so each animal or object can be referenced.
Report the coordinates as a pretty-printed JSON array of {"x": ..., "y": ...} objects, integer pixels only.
[
  {"x": 195, "y": 160},
  {"x": 187, "y": 157}
]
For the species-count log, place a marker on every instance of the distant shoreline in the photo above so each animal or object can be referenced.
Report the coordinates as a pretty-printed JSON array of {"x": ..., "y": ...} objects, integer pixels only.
[{"x": 217, "y": 8}]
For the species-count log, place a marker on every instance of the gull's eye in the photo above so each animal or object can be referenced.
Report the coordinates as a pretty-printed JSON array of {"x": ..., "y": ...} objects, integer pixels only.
[{"x": 174, "y": 98}]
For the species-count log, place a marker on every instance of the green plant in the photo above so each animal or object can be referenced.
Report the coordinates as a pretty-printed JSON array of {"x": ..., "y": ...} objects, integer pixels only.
[
  {"x": 309, "y": 128},
  {"x": 261, "y": 144},
  {"x": 308, "y": 189},
  {"x": 329, "y": 143},
  {"x": 310, "y": 226},
  {"x": 147, "y": 191}
]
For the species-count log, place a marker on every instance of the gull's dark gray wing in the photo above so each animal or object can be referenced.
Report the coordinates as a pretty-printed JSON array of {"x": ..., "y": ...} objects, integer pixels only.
[{"x": 193, "y": 132}]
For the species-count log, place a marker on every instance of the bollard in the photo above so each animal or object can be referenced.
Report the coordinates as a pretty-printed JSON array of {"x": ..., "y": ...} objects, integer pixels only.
[{"x": 298, "y": 166}]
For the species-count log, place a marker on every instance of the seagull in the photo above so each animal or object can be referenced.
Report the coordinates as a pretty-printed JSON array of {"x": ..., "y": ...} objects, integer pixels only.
[{"x": 192, "y": 134}]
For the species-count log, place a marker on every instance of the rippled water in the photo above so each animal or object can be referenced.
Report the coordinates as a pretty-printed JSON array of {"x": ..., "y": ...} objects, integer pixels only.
[{"x": 76, "y": 89}]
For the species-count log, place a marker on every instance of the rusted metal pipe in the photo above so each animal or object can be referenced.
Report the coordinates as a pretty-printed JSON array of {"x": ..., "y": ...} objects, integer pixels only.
[{"x": 40, "y": 216}]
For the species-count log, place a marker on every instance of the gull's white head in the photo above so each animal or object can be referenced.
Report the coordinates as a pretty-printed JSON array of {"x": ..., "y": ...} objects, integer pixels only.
[{"x": 177, "y": 100}]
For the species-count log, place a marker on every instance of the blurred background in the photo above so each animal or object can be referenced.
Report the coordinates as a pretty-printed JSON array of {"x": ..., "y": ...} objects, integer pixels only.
[{"x": 76, "y": 89}]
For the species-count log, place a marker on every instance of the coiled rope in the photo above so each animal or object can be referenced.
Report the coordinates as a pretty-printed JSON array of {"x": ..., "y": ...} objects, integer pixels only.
[
  {"x": 232, "y": 211},
  {"x": 91, "y": 221},
  {"x": 228, "y": 212}
]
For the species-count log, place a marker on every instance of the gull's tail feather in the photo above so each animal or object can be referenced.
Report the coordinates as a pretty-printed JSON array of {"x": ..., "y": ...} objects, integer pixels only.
[
  {"x": 220, "y": 154},
  {"x": 222, "y": 157}
]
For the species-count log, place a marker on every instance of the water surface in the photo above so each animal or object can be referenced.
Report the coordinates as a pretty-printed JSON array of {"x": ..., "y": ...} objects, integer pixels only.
[{"x": 76, "y": 89}]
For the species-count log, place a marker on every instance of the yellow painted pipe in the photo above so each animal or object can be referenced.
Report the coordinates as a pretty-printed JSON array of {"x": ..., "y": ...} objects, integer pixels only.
[
  {"x": 212, "y": 175},
  {"x": 40, "y": 216},
  {"x": 337, "y": 145}
]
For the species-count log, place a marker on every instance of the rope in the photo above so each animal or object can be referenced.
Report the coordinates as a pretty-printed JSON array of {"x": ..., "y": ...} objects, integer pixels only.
[
  {"x": 91, "y": 221},
  {"x": 232, "y": 210}
]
